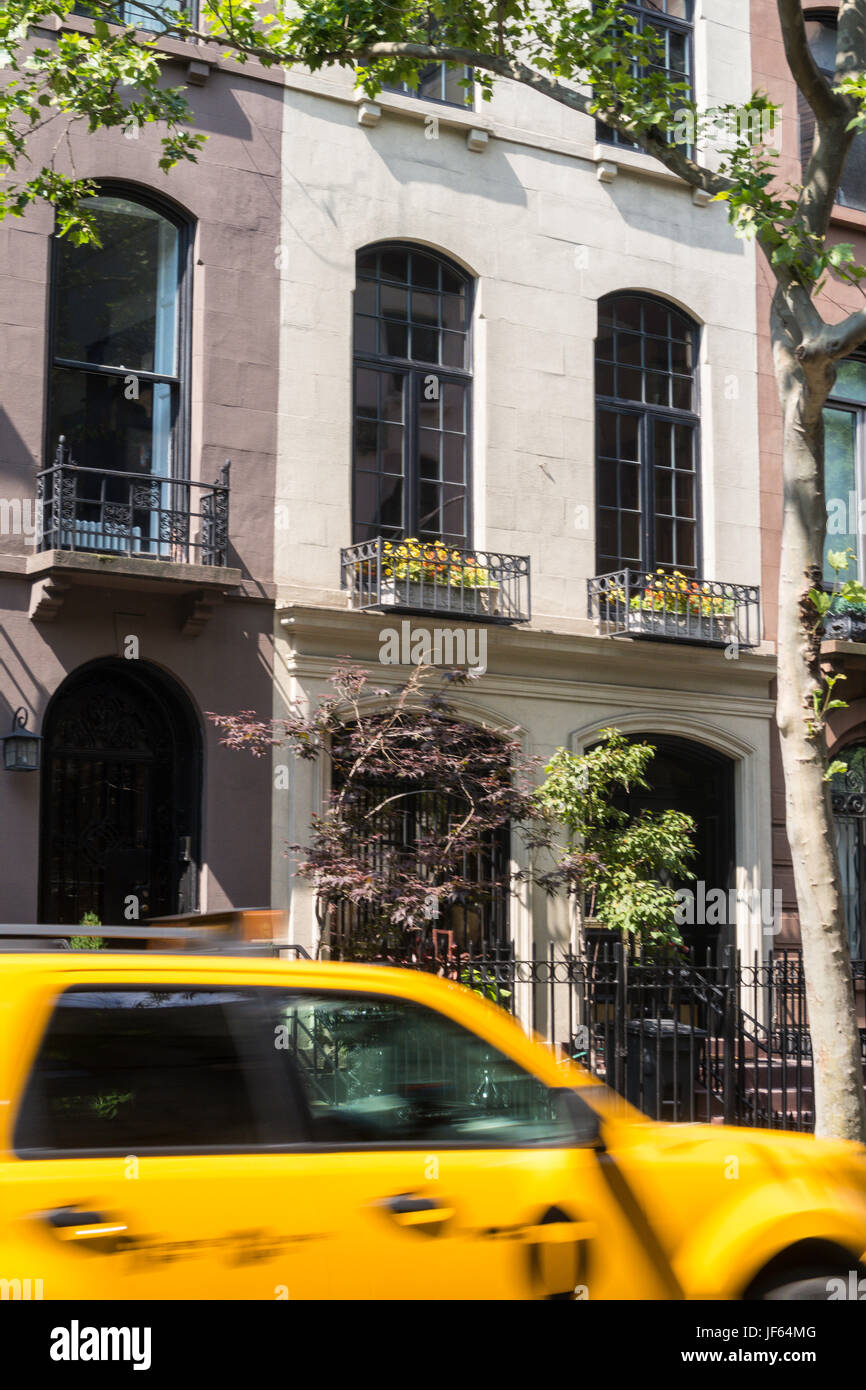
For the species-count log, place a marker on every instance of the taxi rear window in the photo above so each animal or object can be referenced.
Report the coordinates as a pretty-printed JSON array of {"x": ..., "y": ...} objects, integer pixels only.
[{"x": 131, "y": 1070}]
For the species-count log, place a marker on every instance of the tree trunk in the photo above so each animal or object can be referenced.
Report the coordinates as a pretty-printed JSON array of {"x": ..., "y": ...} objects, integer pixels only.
[{"x": 837, "y": 1070}]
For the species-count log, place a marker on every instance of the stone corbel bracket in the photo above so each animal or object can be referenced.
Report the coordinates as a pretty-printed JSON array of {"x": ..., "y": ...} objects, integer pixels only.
[
  {"x": 196, "y": 611},
  {"x": 46, "y": 598}
]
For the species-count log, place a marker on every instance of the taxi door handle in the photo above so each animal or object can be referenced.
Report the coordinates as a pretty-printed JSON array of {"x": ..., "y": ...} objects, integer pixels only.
[
  {"x": 73, "y": 1224},
  {"x": 417, "y": 1211}
]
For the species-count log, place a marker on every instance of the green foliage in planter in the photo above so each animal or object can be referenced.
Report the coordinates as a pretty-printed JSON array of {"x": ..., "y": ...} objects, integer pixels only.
[{"x": 846, "y": 596}]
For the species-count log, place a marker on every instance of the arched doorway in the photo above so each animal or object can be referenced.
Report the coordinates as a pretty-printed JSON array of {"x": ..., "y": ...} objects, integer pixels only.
[
  {"x": 689, "y": 777},
  {"x": 121, "y": 795}
]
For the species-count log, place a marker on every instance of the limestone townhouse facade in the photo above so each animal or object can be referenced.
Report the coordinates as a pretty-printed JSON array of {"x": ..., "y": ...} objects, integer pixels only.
[{"x": 590, "y": 329}]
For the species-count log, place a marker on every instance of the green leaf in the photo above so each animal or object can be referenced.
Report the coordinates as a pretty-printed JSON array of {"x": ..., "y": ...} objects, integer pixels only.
[{"x": 838, "y": 559}]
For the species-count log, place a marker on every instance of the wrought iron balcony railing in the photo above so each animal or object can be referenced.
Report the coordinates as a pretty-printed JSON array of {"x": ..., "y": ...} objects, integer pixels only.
[
  {"x": 132, "y": 514},
  {"x": 433, "y": 578},
  {"x": 671, "y": 607}
]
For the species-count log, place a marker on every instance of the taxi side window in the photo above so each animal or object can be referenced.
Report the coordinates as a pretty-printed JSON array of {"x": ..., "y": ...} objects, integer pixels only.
[
  {"x": 388, "y": 1072},
  {"x": 132, "y": 1070}
]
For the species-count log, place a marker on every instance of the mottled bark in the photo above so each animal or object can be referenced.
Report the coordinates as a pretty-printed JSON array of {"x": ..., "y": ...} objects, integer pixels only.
[{"x": 838, "y": 1077}]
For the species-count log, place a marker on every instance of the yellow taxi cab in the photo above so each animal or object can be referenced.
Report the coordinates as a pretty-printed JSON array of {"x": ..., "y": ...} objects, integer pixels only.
[{"x": 209, "y": 1127}]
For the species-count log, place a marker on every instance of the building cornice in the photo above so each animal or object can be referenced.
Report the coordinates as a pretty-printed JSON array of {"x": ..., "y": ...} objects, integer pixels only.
[
  {"x": 478, "y": 126},
  {"x": 596, "y": 669}
]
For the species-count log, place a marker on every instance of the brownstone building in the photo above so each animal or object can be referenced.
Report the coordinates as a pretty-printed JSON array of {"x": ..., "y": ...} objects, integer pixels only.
[{"x": 135, "y": 561}]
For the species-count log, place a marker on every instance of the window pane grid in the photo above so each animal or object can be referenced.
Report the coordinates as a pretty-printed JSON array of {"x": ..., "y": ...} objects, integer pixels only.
[
  {"x": 441, "y": 82},
  {"x": 646, "y": 473},
  {"x": 115, "y": 383},
  {"x": 442, "y": 460},
  {"x": 619, "y": 491},
  {"x": 407, "y": 317},
  {"x": 411, "y": 309},
  {"x": 672, "y": 22},
  {"x": 644, "y": 353}
]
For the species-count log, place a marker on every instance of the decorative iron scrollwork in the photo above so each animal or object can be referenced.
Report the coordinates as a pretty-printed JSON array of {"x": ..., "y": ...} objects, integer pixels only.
[
  {"x": 845, "y": 627},
  {"x": 848, "y": 791},
  {"x": 146, "y": 495},
  {"x": 81, "y": 510}
]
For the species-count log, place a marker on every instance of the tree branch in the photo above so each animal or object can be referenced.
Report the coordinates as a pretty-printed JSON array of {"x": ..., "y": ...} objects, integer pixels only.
[
  {"x": 835, "y": 340},
  {"x": 832, "y": 138},
  {"x": 811, "y": 81},
  {"x": 795, "y": 303}
]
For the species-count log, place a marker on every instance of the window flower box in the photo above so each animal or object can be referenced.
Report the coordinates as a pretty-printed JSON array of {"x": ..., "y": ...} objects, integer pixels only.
[
  {"x": 435, "y": 578},
  {"x": 446, "y": 598},
  {"x": 673, "y": 607},
  {"x": 698, "y": 627}
]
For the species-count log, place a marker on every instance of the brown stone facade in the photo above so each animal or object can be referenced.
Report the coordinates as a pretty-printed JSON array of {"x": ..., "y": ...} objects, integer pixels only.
[{"x": 203, "y": 632}]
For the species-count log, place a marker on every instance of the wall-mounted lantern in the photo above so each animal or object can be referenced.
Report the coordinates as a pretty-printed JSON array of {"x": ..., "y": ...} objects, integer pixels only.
[{"x": 21, "y": 748}]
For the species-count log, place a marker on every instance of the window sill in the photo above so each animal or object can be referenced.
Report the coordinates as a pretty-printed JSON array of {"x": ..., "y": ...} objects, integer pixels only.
[
  {"x": 478, "y": 128},
  {"x": 840, "y": 647},
  {"x": 848, "y": 217}
]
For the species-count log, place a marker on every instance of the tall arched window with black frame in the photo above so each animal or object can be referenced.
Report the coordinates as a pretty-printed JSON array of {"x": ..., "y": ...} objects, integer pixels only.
[
  {"x": 412, "y": 397},
  {"x": 117, "y": 440},
  {"x": 119, "y": 329},
  {"x": 647, "y": 428}
]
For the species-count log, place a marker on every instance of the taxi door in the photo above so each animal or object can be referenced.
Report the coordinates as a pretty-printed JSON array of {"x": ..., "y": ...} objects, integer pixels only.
[
  {"x": 132, "y": 1143},
  {"x": 428, "y": 1164}
]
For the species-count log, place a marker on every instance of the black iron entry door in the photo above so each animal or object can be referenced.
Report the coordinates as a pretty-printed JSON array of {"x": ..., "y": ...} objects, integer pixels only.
[{"x": 120, "y": 798}]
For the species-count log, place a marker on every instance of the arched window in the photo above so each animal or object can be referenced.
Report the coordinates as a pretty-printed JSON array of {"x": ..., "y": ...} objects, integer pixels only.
[
  {"x": 119, "y": 339},
  {"x": 412, "y": 397},
  {"x": 821, "y": 34},
  {"x": 647, "y": 437}
]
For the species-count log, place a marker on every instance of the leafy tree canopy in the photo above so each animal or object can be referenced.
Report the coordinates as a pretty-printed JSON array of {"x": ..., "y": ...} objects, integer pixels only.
[{"x": 592, "y": 58}]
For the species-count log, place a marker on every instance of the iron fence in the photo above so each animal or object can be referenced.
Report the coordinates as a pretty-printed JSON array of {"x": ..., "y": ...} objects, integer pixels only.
[
  {"x": 721, "y": 1042},
  {"x": 135, "y": 514},
  {"x": 675, "y": 608},
  {"x": 432, "y": 578}
]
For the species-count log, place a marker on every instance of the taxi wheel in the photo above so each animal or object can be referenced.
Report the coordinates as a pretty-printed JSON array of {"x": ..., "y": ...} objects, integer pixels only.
[{"x": 803, "y": 1287}]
